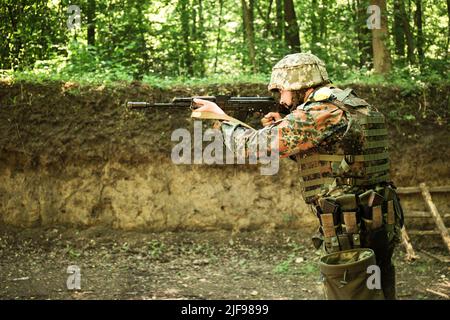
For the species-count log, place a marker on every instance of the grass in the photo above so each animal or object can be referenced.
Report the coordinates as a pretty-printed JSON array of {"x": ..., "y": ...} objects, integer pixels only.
[
  {"x": 309, "y": 268},
  {"x": 408, "y": 78},
  {"x": 42, "y": 76},
  {"x": 284, "y": 267},
  {"x": 155, "y": 249},
  {"x": 72, "y": 253},
  {"x": 421, "y": 267},
  {"x": 288, "y": 266}
]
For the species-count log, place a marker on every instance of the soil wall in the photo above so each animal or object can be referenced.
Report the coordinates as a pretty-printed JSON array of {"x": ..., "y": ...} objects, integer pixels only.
[{"x": 74, "y": 155}]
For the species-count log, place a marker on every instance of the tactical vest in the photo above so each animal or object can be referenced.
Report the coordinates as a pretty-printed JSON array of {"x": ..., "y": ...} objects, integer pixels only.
[
  {"x": 346, "y": 177},
  {"x": 354, "y": 157}
]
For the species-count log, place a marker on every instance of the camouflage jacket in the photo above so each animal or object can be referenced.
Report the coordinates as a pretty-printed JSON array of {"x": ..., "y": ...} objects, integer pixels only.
[{"x": 303, "y": 129}]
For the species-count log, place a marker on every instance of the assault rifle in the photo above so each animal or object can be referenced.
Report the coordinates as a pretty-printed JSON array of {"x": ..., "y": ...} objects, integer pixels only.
[{"x": 240, "y": 107}]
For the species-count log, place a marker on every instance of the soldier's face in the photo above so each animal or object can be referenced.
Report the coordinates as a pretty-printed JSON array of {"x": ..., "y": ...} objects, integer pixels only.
[{"x": 286, "y": 97}]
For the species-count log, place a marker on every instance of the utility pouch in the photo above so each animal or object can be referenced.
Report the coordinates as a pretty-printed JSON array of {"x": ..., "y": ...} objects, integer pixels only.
[
  {"x": 345, "y": 275},
  {"x": 329, "y": 221},
  {"x": 349, "y": 208},
  {"x": 394, "y": 216},
  {"x": 344, "y": 241},
  {"x": 377, "y": 217},
  {"x": 371, "y": 210},
  {"x": 329, "y": 232},
  {"x": 366, "y": 210}
]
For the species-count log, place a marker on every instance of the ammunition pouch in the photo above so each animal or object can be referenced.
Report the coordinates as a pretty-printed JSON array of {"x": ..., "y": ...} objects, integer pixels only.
[
  {"x": 372, "y": 219},
  {"x": 395, "y": 217},
  {"x": 345, "y": 275},
  {"x": 340, "y": 223}
]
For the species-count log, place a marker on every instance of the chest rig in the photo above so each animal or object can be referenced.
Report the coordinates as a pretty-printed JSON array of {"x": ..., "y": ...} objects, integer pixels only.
[
  {"x": 352, "y": 157},
  {"x": 345, "y": 177}
]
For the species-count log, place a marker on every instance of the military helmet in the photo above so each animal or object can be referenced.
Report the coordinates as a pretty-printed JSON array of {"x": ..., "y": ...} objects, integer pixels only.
[{"x": 298, "y": 71}]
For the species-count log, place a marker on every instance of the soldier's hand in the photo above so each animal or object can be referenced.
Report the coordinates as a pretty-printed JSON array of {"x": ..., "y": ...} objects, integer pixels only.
[
  {"x": 270, "y": 118},
  {"x": 205, "y": 105}
]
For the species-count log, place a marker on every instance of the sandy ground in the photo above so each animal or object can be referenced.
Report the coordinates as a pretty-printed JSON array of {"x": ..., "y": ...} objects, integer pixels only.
[{"x": 183, "y": 265}]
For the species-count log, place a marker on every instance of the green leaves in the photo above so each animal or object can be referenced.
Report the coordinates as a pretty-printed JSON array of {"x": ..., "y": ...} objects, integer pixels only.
[{"x": 187, "y": 40}]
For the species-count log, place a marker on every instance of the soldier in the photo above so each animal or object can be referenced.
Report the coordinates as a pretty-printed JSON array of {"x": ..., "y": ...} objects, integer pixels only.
[{"x": 340, "y": 144}]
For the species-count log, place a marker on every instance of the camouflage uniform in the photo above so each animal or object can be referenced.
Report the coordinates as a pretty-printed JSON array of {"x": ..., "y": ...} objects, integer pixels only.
[{"x": 340, "y": 144}]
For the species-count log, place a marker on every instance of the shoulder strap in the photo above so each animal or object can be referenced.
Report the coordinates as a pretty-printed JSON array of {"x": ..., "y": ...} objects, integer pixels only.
[
  {"x": 349, "y": 97},
  {"x": 341, "y": 95}
]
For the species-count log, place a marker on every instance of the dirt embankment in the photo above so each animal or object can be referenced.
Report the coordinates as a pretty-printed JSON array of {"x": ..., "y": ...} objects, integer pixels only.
[{"x": 74, "y": 155}]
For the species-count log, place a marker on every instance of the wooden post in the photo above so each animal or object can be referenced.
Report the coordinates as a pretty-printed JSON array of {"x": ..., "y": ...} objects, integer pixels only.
[
  {"x": 410, "y": 253},
  {"x": 436, "y": 216}
]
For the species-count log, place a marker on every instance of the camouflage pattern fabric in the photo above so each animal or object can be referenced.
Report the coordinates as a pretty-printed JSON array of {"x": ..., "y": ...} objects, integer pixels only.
[
  {"x": 299, "y": 131},
  {"x": 298, "y": 71}
]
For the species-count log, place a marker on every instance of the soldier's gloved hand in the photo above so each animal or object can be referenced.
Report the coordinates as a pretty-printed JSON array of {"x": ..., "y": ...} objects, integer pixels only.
[
  {"x": 270, "y": 118},
  {"x": 205, "y": 105}
]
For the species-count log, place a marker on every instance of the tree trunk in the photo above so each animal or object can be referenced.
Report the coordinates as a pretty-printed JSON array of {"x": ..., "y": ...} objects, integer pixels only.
[
  {"x": 292, "y": 30},
  {"x": 141, "y": 48},
  {"x": 266, "y": 18},
  {"x": 364, "y": 35},
  {"x": 381, "y": 55},
  {"x": 268, "y": 21},
  {"x": 408, "y": 33},
  {"x": 397, "y": 30},
  {"x": 419, "y": 22},
  {"x": 314, "y": 25},
  {"x": 187, "y": 55},
  {"x": 194, "y": 24},
  {"x": 323, "y": 19},
  {"x": 201, "y": 37},
  {"x": 15, "y": 16},
  {"x": 15, "y": 39},
  {"x": 280, "y": 19},
  {"x": 448, "y": 31},
  {"x": 249, "y": 31},
  {"x": 91, "y": 23},
  {"x": 216, "y": 58}
]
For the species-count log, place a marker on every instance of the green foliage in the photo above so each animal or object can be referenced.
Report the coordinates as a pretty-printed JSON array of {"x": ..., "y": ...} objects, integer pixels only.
[
  {"x": 72, "y": 253},
  {"x": 125, "y": 247},
  {"x": 284, "y": 267},
  {"x": 289, "y": 266},
  {"x": 156, "y": 249},
  {"x": 309, "y": 268},
  {"x": 169, "y": 43}
]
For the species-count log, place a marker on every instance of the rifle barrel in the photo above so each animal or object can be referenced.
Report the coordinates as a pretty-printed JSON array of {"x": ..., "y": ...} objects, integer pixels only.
[
  {"x": 225, "y": 102},
  {"x": 145, "y": 105}
]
